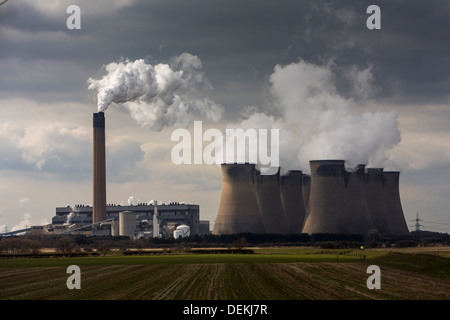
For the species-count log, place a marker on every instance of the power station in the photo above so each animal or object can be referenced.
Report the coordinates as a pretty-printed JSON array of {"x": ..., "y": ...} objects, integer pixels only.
[{"x": 331, "y": 199}]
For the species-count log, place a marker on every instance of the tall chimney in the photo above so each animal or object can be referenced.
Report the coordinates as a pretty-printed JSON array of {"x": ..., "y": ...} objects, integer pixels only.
[{"x": 99, "y": 185}]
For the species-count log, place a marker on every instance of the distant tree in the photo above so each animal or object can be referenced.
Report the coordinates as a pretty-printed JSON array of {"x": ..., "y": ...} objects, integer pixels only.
[
  {"x": 65, "y": 244},
  {"x": 30, "y": 245},
  {"x": 373, "y": 237},
  {"x": 140, "y": 243},
  {"x": 104, "y": 247},
  {"x": 11, "y": 244},
  {"x": 239, "y": 243}
]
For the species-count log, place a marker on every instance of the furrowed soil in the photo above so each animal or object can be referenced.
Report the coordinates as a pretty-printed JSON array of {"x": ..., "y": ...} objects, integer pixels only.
[{"x": 224, "y": 281}]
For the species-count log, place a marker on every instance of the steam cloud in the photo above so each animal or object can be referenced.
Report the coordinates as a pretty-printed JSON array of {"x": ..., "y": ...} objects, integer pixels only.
[
  {"x": 160, "y": 95},
  {"x": 316, "y": 122}
]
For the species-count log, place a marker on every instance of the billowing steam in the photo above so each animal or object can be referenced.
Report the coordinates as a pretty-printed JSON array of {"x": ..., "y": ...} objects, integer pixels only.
[
  {"x": 157, "y": 95},
  {"x": 316, "y": 122}
]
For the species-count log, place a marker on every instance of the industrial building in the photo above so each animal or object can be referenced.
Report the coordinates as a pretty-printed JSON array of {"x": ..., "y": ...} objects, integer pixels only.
[
  {"x": 332, "y": 199},
  {"x": 134, "y": 221}
]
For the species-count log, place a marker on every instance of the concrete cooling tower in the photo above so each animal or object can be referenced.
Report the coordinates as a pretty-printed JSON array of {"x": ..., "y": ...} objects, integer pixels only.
[
  {"x": 306, "y": 186},
  {"x": 376, "y": 200},
  {"x": 395, "y": 216},
  {"x": 99, "y": 169},
  {"x": 238, "y": 209},
  {"x": 356, "y": 210},
  {"x": 268, "y": 197},
  {"x": 326, "y": 200},
  {"x": 330, "y": 200},
  {"x": 292, "y": 201}
]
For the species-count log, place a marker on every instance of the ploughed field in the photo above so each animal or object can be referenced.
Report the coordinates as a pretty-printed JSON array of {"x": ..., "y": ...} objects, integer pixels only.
[{"x": 269, "y": 274}]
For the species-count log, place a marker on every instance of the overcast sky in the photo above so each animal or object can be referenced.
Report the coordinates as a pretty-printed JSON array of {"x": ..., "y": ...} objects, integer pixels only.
[{"x": 333, "y": 87}]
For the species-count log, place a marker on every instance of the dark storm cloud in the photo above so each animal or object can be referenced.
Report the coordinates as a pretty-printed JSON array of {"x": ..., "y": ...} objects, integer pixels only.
[{"x": 238, "y": 42}]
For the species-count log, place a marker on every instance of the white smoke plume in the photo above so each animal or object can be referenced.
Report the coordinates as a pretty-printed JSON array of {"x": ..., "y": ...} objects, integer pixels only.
[
  {"x": 316, "y": 122},
  {"x": 69, "y": 218},
  {"x": 157, "y": 95}
]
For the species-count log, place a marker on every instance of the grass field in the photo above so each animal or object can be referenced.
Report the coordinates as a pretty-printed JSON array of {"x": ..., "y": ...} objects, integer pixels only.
[{"x": 269, "y": 274}]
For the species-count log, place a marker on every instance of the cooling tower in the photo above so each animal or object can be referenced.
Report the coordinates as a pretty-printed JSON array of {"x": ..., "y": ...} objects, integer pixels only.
[
  {"x": 292, "y": 200},
  {"x": 375, "y": 185},
  {"x": 99, "y": 169},
  {"x": 356, "y": 211},
  {"x": 306, "y": 186},
  {"x": 267, "y": 188},
  {"x": 238, "y": 209},
  {"x": 326, "y": 199},
  {"x": 396, "y": 219}
]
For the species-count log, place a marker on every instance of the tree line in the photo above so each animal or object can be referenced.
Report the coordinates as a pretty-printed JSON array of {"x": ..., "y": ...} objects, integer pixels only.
[{"x": 35, "y": 242}]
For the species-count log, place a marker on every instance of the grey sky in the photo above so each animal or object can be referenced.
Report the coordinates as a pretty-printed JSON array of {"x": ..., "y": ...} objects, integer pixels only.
[{"x": 46, "y": 107}]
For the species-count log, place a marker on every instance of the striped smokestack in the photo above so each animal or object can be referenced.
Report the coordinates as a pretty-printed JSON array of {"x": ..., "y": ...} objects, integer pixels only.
[
  {"x": 238, "y": 210},
  {"x": 292, "y": 200},
  {"x": 99, "y": 170}
]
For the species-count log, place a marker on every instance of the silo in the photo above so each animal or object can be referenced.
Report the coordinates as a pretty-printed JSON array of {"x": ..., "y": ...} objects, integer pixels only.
[
  {"x": 292, "y": 200},
  {"x": 326, "y": 199},
  {"x": 127, "y": 224},
  {"x": 357, "y": 217},
  {"x": 114, "y": 228},
  {"x": 238, "y": 210},
  {"x": 306, "y": 186},
  {"x": 268, "y": 197},
  {"x": 395, "y": 216},
  {"x": 375, "y": 184}
]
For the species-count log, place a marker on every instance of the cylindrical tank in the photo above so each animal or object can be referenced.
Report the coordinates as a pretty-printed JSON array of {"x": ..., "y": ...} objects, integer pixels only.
[
  {"x": 114, "y": 228},
  {"x": 357, "y": 217},
  {"x": 268, "y": 197},
  {"x": 326, "y": 199},
  {"x": 127, "y": 224},
  {"x": 238, "y": 209},
  {"x": 292, "y": 200},
  {"x": 395, "y": 216},
  {"x": 376, "y": 202}
]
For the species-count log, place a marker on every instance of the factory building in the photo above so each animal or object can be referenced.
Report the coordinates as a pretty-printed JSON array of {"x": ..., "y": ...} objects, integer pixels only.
[
  {"x": 134, "y": 221},
  {"x": 332, "y": 199}
]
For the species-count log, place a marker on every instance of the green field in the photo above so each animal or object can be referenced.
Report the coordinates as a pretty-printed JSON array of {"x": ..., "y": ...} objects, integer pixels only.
[{"x": 269, "y": 274}]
